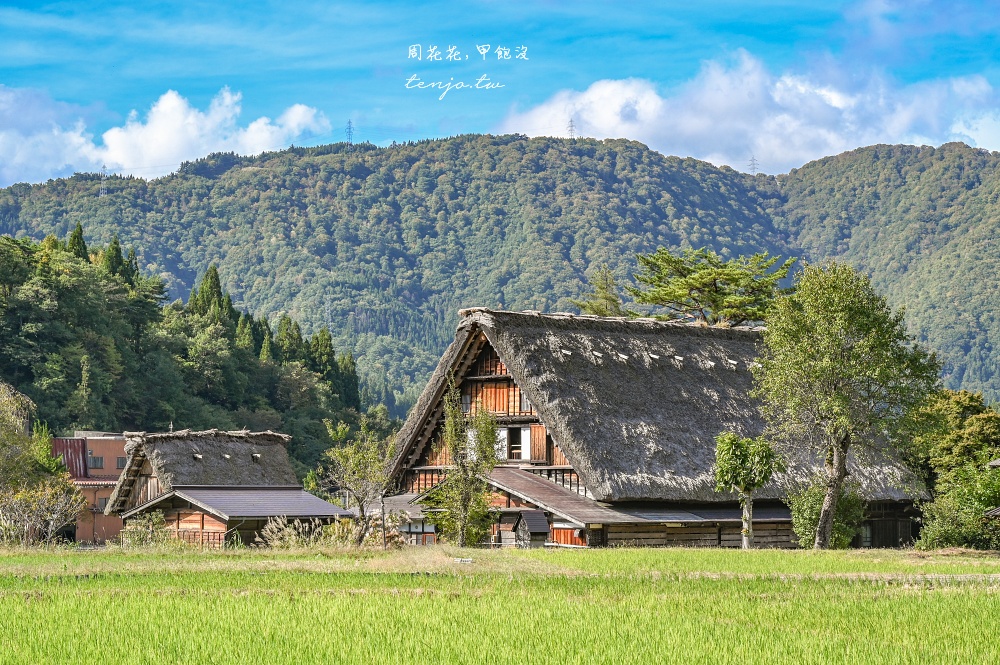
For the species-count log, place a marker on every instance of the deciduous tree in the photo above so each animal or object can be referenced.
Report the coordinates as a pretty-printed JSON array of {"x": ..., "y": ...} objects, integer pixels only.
[
  {"x": 839, "y": 372},
  {"x": 360, "y": 467},
  {"x": 463, "y": 498},
  {"x": 744, "y": 465}
]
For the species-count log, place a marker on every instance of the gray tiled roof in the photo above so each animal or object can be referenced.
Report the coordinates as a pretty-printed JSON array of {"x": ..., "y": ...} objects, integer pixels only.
[{"x": 251, "y": 502}]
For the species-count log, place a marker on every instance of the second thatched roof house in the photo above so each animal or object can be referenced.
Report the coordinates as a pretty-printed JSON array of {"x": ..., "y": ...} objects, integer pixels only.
[
  {"x": 609, "y": 425},
  {"x": 213, "y": 486}
]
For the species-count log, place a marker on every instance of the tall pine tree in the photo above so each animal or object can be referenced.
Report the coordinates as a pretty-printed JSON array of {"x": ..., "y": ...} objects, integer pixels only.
[
  {"x": 76, "y": 244},
  {"x": 113, "y": 260}
]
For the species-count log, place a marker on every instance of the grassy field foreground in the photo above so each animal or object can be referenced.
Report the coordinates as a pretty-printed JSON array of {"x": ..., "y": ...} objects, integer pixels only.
[{"x": 558, "y": 606}]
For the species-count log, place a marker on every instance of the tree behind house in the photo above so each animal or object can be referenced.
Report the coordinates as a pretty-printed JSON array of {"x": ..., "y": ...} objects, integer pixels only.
[
  {"x": 360, "y": 467},
  {"x": 838, "y": 372},
  {"x": 744, "y": 466},
  {"x": 700, "y": 285},
  {"x": 463, "y": 497},
  {"x": 604, "y": 300}
]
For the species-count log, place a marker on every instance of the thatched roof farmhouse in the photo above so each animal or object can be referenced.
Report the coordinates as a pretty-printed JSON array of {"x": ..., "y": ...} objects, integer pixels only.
[
  {"x": 610, "y": 427},
  {"x": 213, "y": 485}
]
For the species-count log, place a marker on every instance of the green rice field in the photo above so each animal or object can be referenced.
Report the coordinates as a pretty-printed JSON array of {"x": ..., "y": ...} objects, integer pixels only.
[{"x": 420, "y": 605}]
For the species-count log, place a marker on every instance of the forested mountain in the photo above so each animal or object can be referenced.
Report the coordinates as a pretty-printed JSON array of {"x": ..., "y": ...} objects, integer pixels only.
[
  {"x": 85, "y": 335},
  {"x": 925, "y": 224},
  {"x": 386, "y": 244}
]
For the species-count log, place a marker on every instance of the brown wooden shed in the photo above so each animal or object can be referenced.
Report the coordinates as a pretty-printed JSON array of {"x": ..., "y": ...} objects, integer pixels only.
[
  {"x": 531, "y": 528},
  {"x": 211, "y": 516}
]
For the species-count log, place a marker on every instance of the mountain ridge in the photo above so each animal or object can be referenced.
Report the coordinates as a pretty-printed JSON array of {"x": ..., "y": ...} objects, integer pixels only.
[{"x": 386, "y": 244}]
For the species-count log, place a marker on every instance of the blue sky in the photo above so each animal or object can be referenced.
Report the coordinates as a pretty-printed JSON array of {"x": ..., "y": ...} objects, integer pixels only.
[{"x": 143, "y": 86}]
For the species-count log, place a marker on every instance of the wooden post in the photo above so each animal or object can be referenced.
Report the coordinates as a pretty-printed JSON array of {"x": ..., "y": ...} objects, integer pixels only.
[
  {"x": 747, "y": 502},
  {"x": 381, "y": 497}
]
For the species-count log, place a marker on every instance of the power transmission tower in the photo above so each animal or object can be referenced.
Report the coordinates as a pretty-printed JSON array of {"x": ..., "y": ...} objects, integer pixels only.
[
  {"x": 104, "y": 177},
  {"x": 754, "y": 165},
  {"x": 571, "y": 128},
  {"x": 328, "y": 312},
  {"x": 349, "y": 133}
]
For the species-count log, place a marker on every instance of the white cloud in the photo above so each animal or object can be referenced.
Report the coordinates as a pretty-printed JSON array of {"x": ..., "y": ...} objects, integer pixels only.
[
  {"x": 41, "y": 138},
  {"x": 735, "y": 109}
]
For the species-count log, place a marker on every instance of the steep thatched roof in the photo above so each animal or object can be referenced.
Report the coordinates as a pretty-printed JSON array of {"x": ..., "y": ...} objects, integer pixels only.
[
  {"x": 213, "y": 457},
  {"x": 635, "y": 404}
]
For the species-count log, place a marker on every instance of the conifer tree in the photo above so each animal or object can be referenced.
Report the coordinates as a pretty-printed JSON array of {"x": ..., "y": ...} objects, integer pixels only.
[
  {"x": 322, "y": 357},
  {"x": 76, "y": 244},
  {"x": 348, "y": 385},
  {"x": 700, "y": 285},
  {"x": 266, "y": 355},
  {"x": 605, "y": 299},
  {"x": 288, "y": 340},
  {"x": 244, "y": 333},
  {"x": 131, "y": 272},
  {"x": 113, "y": 261}
]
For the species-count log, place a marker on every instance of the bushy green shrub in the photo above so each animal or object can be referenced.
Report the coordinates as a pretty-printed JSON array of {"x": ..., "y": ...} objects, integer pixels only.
[
  {"x": 956, "y": 516},
  {"x": 806, "y": 504}
]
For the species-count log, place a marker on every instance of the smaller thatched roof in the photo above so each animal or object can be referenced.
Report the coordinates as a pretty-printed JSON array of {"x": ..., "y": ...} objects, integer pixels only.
[{"x": 209, "y": 458}]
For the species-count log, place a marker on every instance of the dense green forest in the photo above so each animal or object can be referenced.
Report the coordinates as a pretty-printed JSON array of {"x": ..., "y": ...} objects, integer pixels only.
[
  {"x": 86, "y": 335},
  {"x": 384, "y": 245}
]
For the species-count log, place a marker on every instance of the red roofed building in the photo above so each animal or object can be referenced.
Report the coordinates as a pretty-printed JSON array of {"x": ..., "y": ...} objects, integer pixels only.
[{"x": 94, "y": 461}]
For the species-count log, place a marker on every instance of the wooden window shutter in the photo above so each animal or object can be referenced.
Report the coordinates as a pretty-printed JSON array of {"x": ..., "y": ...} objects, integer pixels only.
[{"x": 538, "y": 448}]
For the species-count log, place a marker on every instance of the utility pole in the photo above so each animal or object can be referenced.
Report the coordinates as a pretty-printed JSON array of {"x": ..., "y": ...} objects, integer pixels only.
[
  {"x": 104, "y": 177},
  {"x": 571, "y": 128},
  {"x": 754, "y": 165},
  {"x": 349, "y": 133}
]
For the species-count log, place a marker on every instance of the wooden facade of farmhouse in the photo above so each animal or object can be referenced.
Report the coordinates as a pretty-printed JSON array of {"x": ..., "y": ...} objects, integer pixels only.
[{"x": 607, "y": 428}]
